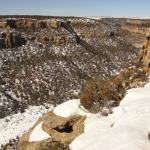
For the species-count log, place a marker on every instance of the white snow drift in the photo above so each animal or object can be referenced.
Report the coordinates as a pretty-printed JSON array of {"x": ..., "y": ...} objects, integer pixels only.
[
  {"x": 126, "y": 128},
  {"x": 38, "y": 134},
  {"x": 70, "y": 108}
]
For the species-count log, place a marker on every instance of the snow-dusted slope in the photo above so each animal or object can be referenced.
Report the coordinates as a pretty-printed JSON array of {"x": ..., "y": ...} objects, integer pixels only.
[
  {"x": 126, "y": 128},
  {"x": 48, "y": 70},
  {"x": 17, "y": 124}
]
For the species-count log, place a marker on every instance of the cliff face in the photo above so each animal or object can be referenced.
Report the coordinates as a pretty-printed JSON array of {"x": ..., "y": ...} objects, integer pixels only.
[
  {"x": 86, "y": 28},
  {"x": 137, "y": 26},
  {"x": 144, "y": 55},
  {"x": 51, "y": 66},
  {"x": 11, "y": 39}
]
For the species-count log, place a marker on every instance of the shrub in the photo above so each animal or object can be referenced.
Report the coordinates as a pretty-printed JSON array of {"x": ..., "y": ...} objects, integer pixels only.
[
  {"x": 90, "y": 92},
  {"x": 98, "y": 93}
]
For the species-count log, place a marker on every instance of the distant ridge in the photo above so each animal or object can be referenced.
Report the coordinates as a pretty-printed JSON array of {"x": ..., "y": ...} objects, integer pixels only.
[
  {"x": 127, "y": 17},
  {"x": 36, "y": 16}
]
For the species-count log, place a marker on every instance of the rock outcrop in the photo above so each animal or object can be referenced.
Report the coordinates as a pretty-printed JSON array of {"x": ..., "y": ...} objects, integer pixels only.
[
  {"x": 2, "y": 24},
  {"x": 10, "y": 39},
  {"x": 144, "y": 55},
  {"x": 137, "y": 26},
  {"x": 62, "y": 131}
]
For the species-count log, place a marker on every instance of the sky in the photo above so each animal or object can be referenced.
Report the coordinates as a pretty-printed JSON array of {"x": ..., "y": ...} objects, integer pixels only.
[{"x": 114, "y": 8}]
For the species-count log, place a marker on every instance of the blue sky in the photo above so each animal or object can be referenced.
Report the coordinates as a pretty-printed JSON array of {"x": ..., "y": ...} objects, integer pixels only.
[{"x": 133, "y": 8}]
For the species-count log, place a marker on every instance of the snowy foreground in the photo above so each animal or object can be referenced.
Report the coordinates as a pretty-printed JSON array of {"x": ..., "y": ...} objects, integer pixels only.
[
  {"x": 126, "y": 128},
  {"x": 17, "y": 124}
]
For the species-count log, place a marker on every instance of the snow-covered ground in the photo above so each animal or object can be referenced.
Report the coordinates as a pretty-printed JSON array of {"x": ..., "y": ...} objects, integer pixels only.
[
  {"x": 70, "y": 108},
  {"x": 38, "y": 134},
  {"x": 17, "y": 124},
  {"x": 126, "y": 128}
]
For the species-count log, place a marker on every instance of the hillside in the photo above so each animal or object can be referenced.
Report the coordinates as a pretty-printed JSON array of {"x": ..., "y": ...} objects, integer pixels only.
[{"x": 40, "y": 63}]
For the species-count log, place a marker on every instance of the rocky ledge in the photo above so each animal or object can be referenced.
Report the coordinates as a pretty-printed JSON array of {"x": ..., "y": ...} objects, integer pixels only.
[{"x": 56, "y": 132}]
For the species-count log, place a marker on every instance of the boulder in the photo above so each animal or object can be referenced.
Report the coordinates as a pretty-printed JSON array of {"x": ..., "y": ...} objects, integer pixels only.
[{"x": 62, "y": 131}]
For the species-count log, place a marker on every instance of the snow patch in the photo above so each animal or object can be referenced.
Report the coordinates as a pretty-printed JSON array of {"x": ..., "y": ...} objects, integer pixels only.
[
  {"x": 38, "y": 134},
  {"x": 17, "y": 124},
  {"x": 71, "y": 108}
]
